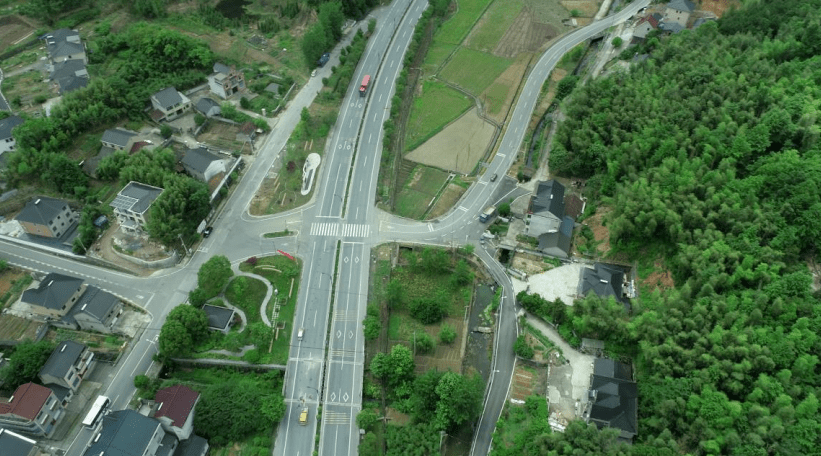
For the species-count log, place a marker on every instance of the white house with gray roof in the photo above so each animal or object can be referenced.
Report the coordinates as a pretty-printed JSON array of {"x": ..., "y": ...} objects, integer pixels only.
[
  {"x": 64, "y": 44},
  {"x": 69, "y": 75},
  {"x": 7, "y": 141},
  {"x": 54, "y": 296},
  {"x": 97, "y": 310},
  {"x": 204, "y": 166},
  {"x": 226, "y": 81},
  {"x": 678, "y": 11},
  {"x": 132, "y": 204},
  {"x": 67, "y": 365},
  {"x": 118, "y": 138},
  {"x": 208, "y": 107},
  {"x": 169, "y": 104},
  {"x": 47, "y": 217}
]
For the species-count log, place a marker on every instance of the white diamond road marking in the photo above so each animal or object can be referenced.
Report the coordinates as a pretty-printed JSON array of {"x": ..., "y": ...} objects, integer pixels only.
[{"x": 347, "y": 230}]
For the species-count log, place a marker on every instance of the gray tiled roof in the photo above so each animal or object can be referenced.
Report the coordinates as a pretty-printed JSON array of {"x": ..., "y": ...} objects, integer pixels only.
[
  {"x": 205, "y": 104},
  {"x": 198, "y": 159},
  {"x": 8, "y": 124},
  {"x": 124, "y": 433},
  {"x": 672, "y": 27},
  {"x": 218, "y": 317},
  {"x": 221, "y": 68},
  {"x": 616, "y": 402},
  {"x": 41, "y": 210},
  {"x": 549, "y": 197},
  {"x": 193, "y": 446},
  {"x": 62, "y": 358},
  {"x": 136, "y": 197},
  {"x": 63, "y": 42},
  {"x": 53, "y": 291},
  {"x": 70, "y": 75},
  {"x": 168, "y": 97},
  {"x": 167, "y": 445},
  {"x": 613, "y": 369},
  {"x": 682, "y": 5},
  {"x": 117, "y": 136},
  {"x": 604, "y": 281},
  {"x": 95, "y": 302},
  {"x": 13, "y": 444}
]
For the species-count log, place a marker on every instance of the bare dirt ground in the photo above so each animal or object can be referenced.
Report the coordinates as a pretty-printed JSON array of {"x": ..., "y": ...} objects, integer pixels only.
[
  {"x": 510, "y": 79},
  {"x": 527, "y": 381},
  {"x": 525, "y": 35},
  {"x": 458, "y": 147},
  {"x": 449, "y": 198},
  {"x": 104, "y": 248},
  {"x": 718, "y": 7},
  {"x": 222, "y": 135},
  {"x": 12, "y": 29},
  {"x": 530, "y": 264},
  {"x": 659, "y": 279},
  {"x": 17, "y": 328},
  {"x": 600, "y": 232}
]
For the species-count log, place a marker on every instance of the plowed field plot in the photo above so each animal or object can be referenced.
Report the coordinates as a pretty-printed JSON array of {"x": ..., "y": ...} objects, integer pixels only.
[
  {"x": 16, "y": 328},
  {"x": 458, "y": 147},
  {"x": 521, "y": 384},
  {"x": 12, "y": 30}
]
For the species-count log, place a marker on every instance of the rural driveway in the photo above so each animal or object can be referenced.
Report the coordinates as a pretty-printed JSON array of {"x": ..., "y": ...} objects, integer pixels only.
[{"x": 581, "y": 364}]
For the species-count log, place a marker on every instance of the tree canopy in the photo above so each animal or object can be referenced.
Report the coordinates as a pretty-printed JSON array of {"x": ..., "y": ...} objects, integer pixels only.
[
  {"x": 25, "y": 363},
  {"x": 214, "y": 274},
  {"x": 708, "y": 153}
]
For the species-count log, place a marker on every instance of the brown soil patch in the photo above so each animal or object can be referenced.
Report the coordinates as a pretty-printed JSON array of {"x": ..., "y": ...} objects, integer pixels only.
[
  {"x": 12, "y": 29},
  {"x": 7, "y": 279},
  {"x": 531, "y": 264},
  {"x": 449, "y": 198},
  {"x": 510, "y": 80},
  {"x": 587, "y": 8},
  {"x": 222, "y": 135},
  {"x": 521, "y": 385},
  {"x": 524, "y": 35},
  {"x": 17, "y": 329},
  {"x": 600, "y": 232},
  {"x": 660, "y": 279},
  {"x": 458, "y": 147},
  {"x": 718, "y": 7}
]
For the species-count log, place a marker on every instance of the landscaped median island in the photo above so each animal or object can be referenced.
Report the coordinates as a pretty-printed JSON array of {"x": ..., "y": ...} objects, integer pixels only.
[
  {"x": 416, "y": 342},
  {"x": 224, "y": 318},
  {"x": 281, "y": 189}
]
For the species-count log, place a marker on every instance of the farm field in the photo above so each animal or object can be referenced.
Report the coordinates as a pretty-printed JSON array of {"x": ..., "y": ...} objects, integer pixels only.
[
  {"x": 494, "y": 23},
  {"x": 437, "y": 54},
  {"x": 474, "y": 70},
  {"x": 458, "y": 147},
  {"x": 455, "y": 29},
  {"x": 416, "y": 195},
  {"x": 432, "y": 110}
]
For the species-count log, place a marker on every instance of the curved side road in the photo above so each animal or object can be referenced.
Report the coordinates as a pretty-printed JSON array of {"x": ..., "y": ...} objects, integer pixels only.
[{"x": 504, "y": 359}]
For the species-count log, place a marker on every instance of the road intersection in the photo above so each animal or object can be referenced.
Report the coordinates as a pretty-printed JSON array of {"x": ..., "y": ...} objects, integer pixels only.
[{"x": 336, "y": 232}]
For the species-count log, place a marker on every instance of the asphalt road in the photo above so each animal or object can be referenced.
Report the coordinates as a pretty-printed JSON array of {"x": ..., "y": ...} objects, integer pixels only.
[{"x": 330, "y": 235}]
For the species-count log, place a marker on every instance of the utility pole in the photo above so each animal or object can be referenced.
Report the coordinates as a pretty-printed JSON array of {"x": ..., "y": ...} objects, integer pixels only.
[{"x": 186, "y": 251}]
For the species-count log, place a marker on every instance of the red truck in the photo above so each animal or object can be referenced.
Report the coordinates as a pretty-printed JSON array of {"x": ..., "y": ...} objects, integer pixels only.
[{"x": 363, "y": 89}]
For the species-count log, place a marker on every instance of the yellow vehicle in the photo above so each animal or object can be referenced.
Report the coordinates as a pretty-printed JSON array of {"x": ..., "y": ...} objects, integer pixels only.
[{"x": 303, "y": 416}]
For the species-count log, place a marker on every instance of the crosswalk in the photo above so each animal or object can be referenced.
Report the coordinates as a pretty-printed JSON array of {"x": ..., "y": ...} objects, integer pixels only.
[
  {"x": 336, "y": 418},
  {"x": 347, "y": 230}
]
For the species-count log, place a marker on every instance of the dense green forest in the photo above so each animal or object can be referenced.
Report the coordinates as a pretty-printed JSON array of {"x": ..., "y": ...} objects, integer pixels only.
[{"x": 708, "y": 155}]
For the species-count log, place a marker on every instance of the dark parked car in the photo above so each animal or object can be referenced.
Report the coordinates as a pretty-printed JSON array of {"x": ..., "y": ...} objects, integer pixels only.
[
  {"x": 493, "y": 177},
  {"x": 207, "y": 231}
]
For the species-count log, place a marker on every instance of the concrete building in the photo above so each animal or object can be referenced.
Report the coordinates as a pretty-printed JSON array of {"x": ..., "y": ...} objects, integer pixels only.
[
  {"x": 679, "y": 11},
  {"x": 13, "y": 444},
  {"x": 175, "y": 410},
  {"x": 132, "y": 204},
  {"x": 169, "y": 104},
  {"x": 54, "y": 296},
  {"x": 226, "y": 81},
  {"x": 32, "y": 409},
  {"x": 47, "y": 217},
  {"x": 118, "y": 139},
  {"x": 7, "y": 142},
  {"x": 67, "y": 365}
]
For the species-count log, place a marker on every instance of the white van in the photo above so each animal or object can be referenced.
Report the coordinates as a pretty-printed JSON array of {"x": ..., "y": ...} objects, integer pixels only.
[{"x": 300, "y": 333}]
